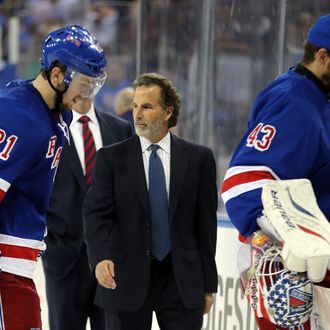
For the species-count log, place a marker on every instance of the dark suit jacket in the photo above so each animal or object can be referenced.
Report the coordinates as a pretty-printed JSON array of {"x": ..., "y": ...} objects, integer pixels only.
[
  {"x": 117, "y": 222},
  {"x": 64, "y": 219}
]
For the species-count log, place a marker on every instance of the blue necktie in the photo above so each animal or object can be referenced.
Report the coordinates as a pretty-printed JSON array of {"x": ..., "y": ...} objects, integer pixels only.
[{"x": 160, "y": 232}]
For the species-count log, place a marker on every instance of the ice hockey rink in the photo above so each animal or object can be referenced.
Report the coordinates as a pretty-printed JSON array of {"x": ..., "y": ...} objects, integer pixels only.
[
  {"x": 39, "y": 280},
  {"x": 40, "y": 284}
]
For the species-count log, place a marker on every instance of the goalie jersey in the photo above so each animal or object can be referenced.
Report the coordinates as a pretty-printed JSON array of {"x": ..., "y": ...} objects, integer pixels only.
[
  {"x": 288, "y": 137},
  {"x": 31, "y": 139}
]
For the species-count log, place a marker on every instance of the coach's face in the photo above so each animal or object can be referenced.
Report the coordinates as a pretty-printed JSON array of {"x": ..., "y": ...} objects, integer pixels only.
[{"x": 150, "y": 118}]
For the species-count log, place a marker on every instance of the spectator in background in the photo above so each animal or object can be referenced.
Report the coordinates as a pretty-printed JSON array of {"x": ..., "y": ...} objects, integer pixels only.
[
  {"x": 7, "y": 73},
  {"x": 70, "y": 287},
  {"x": 124, "y": 104},
  {"x": 102, "y": 18},
  {"x": 296, "y": 31},
  {"x": 7, "y": 70},
  {"x": 117, "y": 80}
]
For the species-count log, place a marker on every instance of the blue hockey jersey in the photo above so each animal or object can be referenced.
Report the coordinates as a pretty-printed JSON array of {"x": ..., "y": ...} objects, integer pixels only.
[
  {"x": 288, "y": 137},
  {"x": 31, "y": 139}
]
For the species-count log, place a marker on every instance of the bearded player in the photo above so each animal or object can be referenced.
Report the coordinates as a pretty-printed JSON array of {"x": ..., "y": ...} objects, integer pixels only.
[
  {"x": 33, "y": 126},
  {"x": 288, "y": 137}
]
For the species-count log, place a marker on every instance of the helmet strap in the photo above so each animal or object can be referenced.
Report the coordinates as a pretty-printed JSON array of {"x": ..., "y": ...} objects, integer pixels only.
[
  {"x": 59, "y": 95},
  {"x": 52, "y": 86}
]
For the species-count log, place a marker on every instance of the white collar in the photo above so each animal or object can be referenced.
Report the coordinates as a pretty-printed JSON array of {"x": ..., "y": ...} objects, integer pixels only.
[
  {"x": 164, "y": 143},
  {"x": 90, "y": 114}
]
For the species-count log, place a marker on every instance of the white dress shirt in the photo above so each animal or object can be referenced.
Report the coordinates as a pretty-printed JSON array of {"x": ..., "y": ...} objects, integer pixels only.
[
  {"x": 164, "y": 153},
  {"x": 77, "y": 135}
]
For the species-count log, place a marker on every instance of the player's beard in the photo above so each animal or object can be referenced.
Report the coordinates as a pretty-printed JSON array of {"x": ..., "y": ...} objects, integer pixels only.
[
  {"x": 59, "y": 106},
  {"x": 326, "y": 78}
]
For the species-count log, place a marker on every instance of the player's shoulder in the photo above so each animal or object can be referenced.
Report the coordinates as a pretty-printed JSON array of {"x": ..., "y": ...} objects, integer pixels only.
[
  {"x": 281, "y": 90},
  {"x": 296, "y": 88},
  {"x": 16, "y": 90},
  {"x": 289, "y": 95},
  {"x": 18, "y": 114},
  {"x": 16, "y": 98}
]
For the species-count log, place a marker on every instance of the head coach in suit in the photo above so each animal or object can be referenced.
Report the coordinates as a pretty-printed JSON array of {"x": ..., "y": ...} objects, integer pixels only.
[
  {"x": 70, "y": 287},
  {"x": 150, "y": 220}
]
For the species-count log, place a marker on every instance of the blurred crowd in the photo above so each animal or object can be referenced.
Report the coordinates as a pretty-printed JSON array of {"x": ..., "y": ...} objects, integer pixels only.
[
  {"x": 113, "y": 22},
  {"x": 245, "y": 51}
]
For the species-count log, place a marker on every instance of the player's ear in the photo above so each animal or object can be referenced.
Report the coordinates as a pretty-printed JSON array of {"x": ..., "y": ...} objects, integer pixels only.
[
  {"x": 322, "y": 55},
  {"x": 56, "y": 76}
]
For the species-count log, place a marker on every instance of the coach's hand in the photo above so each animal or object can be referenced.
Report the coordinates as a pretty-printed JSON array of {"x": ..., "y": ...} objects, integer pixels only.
[
  {"x": 208, "y": 302},
  {"x": 105, "y": 274}
]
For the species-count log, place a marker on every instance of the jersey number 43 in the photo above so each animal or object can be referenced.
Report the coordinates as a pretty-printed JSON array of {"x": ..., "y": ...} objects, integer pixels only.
[{"x": 261, "y": 137}]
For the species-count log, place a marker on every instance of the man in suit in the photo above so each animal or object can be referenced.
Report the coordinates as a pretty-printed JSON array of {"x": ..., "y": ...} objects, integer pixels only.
[
  {"x": 70, "y": 287},
  {"x": 148, "y": 257}
]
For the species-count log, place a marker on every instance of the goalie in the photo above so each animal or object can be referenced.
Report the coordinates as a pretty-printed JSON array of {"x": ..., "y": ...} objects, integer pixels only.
[{"x": 288, "y": 138}]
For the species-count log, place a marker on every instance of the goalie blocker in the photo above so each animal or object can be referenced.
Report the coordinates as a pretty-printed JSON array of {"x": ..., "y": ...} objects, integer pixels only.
[{"x": 290, "y": 208}]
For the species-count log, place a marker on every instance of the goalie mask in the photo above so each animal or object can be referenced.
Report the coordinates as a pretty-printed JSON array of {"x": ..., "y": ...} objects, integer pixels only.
[{"x": 283, "y": 297}]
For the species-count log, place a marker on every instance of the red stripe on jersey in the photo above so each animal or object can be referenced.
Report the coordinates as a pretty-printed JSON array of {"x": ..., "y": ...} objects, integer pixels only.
[
  {"x": 20, "y": 252},
  {"x": 242, "y": 238},
  {"x": 245, "y": 177},
  {"x": 2, "y": 194}
]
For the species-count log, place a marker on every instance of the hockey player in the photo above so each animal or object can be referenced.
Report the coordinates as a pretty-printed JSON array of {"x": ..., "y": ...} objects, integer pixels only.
[
  {"x": 288, "y": 137},
  {"x": 33, "y": 126}
]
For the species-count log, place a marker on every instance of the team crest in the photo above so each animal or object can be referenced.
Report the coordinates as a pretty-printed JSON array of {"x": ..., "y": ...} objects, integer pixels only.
[{"x": 290, "y": 298}]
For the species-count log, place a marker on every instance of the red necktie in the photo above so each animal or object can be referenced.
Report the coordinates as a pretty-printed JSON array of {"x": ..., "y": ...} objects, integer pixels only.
[{"x": 89, "y": 149}]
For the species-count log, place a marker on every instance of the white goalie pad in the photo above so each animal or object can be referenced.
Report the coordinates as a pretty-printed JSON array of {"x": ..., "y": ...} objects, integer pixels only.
[{"x": 290, "y": 207}]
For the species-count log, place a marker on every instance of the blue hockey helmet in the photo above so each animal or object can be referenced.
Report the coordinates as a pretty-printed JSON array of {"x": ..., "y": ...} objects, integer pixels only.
[{"x": 78, "y": 50}]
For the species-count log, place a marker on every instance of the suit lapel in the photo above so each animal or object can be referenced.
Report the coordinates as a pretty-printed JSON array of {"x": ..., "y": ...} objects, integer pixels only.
[
  {"x": 179, "y": 162},
  {"x": 106, "y": 131},
  {"x": 70, "y": 153},
  {"x": 135, "y": 169}
]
